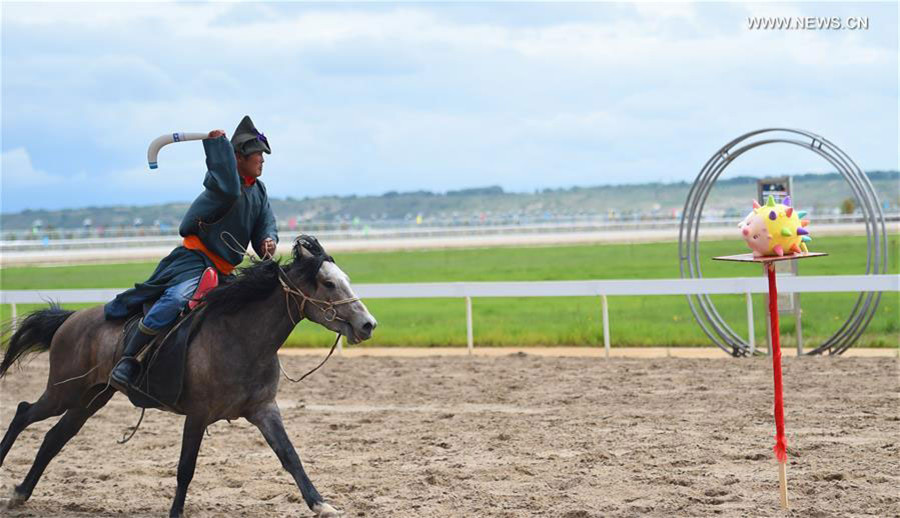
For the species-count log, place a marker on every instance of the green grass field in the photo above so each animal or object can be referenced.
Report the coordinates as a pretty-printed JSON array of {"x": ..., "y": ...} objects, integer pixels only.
[{"x": 634, "y": 321}]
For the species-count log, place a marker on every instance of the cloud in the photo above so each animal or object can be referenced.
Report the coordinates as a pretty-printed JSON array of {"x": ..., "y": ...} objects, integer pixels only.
[
  {"x": 367, "y": 98},
  {"x": 19, "y": 172},
  {"x": 22, "y": 185}
]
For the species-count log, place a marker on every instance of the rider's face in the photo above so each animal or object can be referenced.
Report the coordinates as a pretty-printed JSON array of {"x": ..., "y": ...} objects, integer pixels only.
[{"x": 250, "y": 165}]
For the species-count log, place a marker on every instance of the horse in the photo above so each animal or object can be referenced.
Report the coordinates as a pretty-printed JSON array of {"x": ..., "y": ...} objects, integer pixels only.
[{"x": 232, "y": 368}]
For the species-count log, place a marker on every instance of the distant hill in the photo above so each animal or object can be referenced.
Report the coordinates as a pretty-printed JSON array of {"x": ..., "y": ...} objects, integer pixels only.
[{"x": 815, "y": 192}]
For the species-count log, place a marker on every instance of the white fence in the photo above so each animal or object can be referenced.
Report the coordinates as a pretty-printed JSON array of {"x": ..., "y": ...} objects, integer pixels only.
[{"x": 590, "y": 288}]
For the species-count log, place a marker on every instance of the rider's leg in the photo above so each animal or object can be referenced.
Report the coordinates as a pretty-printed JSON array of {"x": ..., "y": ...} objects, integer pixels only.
[
  {"x": 167, "y": 308},
  {"x": 128, "y": 368},
  {"x": 161, "y": 315}
]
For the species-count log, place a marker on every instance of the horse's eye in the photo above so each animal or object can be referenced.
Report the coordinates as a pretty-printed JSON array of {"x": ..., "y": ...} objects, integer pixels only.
[{"x": 328, "y": 284}]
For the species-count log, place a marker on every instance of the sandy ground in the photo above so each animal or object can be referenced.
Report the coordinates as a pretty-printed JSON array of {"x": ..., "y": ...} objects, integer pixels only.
[{"x": 504, "y": 436}]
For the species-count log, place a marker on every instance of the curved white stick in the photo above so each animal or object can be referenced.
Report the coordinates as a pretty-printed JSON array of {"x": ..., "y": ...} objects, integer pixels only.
[{"x": 168, "y": 138}]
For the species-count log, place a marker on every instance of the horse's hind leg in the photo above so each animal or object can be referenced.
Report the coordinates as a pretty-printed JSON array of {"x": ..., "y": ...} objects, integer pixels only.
[
  {"x": 67, "y": 427},
  {"x": 26, "y": 415}
]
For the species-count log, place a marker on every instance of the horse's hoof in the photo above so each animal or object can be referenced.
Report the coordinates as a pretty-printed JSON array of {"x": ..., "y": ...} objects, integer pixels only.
[
  {"x": 324, "y": 510},
  {"x": 15, "y": 499}
]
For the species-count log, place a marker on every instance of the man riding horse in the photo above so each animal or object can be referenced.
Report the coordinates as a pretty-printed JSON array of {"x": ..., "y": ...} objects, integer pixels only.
[{"x": 231, "y": 212}]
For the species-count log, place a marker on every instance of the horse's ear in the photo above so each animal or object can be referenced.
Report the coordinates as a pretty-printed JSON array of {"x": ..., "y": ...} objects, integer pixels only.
[
  {"x": 305, "y": 247},
  {"x": 308, "y": 244},
  {"x": 298, "y": 248}
]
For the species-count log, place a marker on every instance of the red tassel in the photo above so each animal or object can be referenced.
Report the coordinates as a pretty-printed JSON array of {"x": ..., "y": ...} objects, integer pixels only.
[
  {"x": 781, "y": 449},
  {"x": 780, "y": 440}
]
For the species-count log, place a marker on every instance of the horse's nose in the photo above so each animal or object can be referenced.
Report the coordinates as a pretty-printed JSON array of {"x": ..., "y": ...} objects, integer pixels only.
[{"x": 370, "y": 326}]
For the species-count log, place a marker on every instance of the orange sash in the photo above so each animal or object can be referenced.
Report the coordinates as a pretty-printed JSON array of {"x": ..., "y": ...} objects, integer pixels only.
[{"x": 193, "y": 242}]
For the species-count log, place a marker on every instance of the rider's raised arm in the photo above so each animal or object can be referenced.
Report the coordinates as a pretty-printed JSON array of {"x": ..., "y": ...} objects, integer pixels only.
[
  {"x": 223, "y": 187},
  {"x": 222, "y": 174}
]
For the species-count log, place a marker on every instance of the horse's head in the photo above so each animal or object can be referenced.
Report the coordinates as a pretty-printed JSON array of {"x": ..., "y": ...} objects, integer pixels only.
[{"x": 330, "y": 300}]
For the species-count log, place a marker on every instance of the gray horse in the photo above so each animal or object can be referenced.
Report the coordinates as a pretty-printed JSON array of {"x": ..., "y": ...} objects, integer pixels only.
[{"x": 232, "y": 365}]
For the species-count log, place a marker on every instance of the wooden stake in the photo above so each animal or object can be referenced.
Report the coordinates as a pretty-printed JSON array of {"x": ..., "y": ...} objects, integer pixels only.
[
  {"x": 775, "y": 352},
  {"x": 782, "y": 477}
]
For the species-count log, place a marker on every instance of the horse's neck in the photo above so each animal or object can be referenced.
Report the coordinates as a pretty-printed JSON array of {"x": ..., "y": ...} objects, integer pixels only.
[{"x": 263, "y": 326}]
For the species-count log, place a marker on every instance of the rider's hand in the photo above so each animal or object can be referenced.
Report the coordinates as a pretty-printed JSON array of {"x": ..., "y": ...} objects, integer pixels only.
[
  {"x": 216, "y": 133},
  {"x": 268, "y": 247}
]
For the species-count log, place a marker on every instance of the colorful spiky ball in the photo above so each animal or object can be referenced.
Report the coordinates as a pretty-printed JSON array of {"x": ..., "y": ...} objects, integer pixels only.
[{"x": 775, "y": 228}]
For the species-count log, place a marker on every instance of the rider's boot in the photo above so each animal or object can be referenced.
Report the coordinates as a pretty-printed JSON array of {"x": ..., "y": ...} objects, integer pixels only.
[{"x": 127, "y": 370}]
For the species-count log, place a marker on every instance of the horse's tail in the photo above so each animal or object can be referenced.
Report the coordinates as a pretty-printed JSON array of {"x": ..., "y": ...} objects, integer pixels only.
[{"x": 34, "y": 334}]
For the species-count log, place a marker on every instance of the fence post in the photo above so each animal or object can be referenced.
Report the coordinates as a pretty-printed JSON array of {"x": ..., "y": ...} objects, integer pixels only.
[
  {"x": 469, "y": 342},
  {"x": 798, "y": 316},
  {"x": 14, "y": 315},
  {"x": 605, "y": 325},
  {"x": 751, "y": 334}
]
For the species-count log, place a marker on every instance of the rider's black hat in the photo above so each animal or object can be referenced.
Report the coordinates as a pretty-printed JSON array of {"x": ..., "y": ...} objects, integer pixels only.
[{"x": 247, "y": 139}]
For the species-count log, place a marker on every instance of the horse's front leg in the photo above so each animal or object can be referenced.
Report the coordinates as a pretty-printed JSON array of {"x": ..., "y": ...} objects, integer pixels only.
[
  {"x": 190, "y": 446},
  {"x": 268, "y": 420}
]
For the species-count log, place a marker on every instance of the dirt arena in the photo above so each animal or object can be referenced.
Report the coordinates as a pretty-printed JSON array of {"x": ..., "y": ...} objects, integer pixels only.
[{"x": 512, "y": 436}]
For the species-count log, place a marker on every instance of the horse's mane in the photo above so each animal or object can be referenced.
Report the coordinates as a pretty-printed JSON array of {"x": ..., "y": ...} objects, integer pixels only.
[{"x": 256, "y": 282}]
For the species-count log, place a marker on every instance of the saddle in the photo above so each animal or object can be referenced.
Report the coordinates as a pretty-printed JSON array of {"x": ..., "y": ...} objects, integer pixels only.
[{"x": 163, "y": 360}]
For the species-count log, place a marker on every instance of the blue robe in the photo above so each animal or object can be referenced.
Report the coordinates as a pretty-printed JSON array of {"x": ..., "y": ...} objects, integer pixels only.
[{"x": 226, "y": 216}]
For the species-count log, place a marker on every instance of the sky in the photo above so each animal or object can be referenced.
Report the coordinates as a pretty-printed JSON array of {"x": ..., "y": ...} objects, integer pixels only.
[{"x": 375, "y": 97}]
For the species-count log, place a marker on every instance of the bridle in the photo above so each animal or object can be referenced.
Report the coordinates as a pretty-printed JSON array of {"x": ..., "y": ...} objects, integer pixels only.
[
  {"x": 295, "y": 294},
  {"x": 292, "y": 293}
]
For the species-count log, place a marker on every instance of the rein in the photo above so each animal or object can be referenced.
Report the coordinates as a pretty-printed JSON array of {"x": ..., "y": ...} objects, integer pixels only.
[{"x": 292, "y": 380}]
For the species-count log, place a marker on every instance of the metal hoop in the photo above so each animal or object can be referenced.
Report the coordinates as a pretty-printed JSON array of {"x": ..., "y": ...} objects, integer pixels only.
[{"x": 711, "y": 322}]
